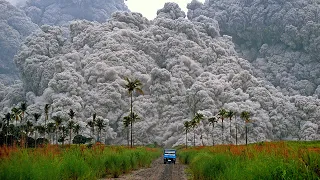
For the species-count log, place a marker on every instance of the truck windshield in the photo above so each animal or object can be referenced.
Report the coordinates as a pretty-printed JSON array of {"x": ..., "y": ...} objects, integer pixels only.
[{"x": 170, "y": 152}]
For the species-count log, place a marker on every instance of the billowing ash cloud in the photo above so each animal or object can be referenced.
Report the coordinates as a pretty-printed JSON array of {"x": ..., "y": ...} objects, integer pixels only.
[
  {"x": 185, "y": 67},
  {"x": 15, "y": 26},
  {"x": 17, "y": 2},
  {"x": 280, "y": 38},
  {"x": 61, "y": 12}
]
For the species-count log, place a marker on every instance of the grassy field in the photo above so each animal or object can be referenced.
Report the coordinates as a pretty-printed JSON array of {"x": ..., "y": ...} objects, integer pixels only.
[
  {"x": 76, "y": 162},
  {"x": 272, "y": 160}
]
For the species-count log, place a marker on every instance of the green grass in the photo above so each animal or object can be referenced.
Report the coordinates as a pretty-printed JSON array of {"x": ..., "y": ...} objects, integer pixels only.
[
  {"x": 54, "y": 163},
  {"x": 291, "y": 160}
]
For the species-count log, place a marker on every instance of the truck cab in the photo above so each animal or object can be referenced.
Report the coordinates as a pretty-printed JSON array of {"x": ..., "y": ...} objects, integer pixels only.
[{"x": 169, "y": 155}]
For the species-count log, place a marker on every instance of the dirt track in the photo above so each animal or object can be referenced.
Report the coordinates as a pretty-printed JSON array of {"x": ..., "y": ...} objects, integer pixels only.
[{"x": 157, "y": 171}]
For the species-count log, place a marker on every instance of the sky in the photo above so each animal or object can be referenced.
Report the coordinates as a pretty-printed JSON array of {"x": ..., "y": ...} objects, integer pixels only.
[{"x": 148, "y": 8}]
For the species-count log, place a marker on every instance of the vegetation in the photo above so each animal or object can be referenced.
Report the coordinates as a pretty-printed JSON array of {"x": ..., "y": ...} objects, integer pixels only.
[
  {"x": 76, "y": 162},
  {"x": 276, "y": 160}
]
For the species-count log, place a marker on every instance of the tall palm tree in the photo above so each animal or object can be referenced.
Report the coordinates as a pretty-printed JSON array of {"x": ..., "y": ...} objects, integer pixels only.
[
  {"x": 29, "y": 129},
  {"x": 51, "y": 129},
  {"x": 16, "y": 114},
  {"x": 46, "y": 111},
  {"x": 245, "y": 115},
  {"x": 71, "y": 114},
  {"x": 92, "y": 123},
  {"x": 235, "y": 120},
  {"x": 229, "y": 115},
  {"x": 76, "y": 130},
  {"x": 42, "y": 131},
  {"x": 212, "y": 120},
  {"x": 134, "y": 118},
  {"x": 222, "y": 114},
  {"x": 70, "y": 126},
  {"x": 100, "y": 125},
  {"x": 23, "y": 108},
  {"x": 132, "y": 86},
  {"x": 194, "y": 123},
  {"x": 36, "y": 118},
  {"x": 7, "y": 118},
  {"x": 187, "y": 126},
  {"x": 64, "y": 131},
  {"x": 126, "y": 123},
  {"x": 57, "y": 123}
]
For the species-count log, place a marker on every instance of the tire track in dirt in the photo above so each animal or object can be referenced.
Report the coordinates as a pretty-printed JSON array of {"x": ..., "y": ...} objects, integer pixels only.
[{"x": 157, "y": 171}]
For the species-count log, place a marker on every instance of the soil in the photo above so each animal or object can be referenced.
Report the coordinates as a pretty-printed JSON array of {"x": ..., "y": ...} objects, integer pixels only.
[{"x": 157, "y": 171}]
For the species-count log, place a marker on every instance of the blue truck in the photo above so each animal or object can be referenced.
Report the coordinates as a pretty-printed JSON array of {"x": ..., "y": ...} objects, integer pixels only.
[{"x": 169, "y": 156}]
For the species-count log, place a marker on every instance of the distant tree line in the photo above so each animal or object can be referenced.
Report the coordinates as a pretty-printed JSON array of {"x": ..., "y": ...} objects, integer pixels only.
[{"x": 222, "y": 115}]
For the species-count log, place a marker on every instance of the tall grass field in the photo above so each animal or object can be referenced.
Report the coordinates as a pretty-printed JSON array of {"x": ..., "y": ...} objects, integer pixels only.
[
  {"x": 273, "y": 160},
  {"x": 75, "y": 162}
]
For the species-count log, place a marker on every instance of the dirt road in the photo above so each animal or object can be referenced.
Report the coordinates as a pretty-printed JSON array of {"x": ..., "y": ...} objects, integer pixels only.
[{"x": 157, "y": 171}]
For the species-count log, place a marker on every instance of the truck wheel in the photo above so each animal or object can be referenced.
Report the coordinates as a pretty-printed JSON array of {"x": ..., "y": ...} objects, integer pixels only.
[
  {"x": 174, "y": 162},
  {"x": 164, "y": 162}
]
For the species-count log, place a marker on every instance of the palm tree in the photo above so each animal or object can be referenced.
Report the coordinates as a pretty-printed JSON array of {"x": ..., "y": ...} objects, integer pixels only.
[
  {"x": 212, "y": 120},
  {"x": 71, "y": 123},
  {"x": 92, "y": 123},
  {"x": 16, "y": 114},
  {"x": 134, "y": 118},
  {"x": 187, "y": 126},
  {"x": 229, "y": 115},
  {"x": 46, "y": 111},
  {"x": 71, "y": 114},
  {"x": 100, "y": 125},
  {"x": 7, "y": 118},
  {"x": 235, "y": 119},
  {"x": 42, "y": 131},
  {"x": 57, "y": 121},
  {"x": 64, "y": 131},
  {"x": 245, "y": 115},
  {"x": 76, "y": 130},
  {"x": 222, "y": 114},
  {"x": 194, "y": 123},
  {"x": 29, "y": 129},
  {"x": 23, "y": 108},
  {"x": 126, "y": 123},
  {"x": 70, "y": 126},
  {"x": 132, "y": 86},
  {"x": 51, "y": 129},
  {"x": 36, "y": 118}
]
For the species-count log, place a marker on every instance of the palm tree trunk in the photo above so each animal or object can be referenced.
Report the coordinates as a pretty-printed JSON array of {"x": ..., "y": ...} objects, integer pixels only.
[
  {"x": 246, "y": 135},
  {"x": 45, "y": 126},
  {"x": 212, "y": 134},
  {"x": 222, "y": 133},
  {"x": 35, "y": 139},
  {"x": 236, "y": 134},
  {"x": 194, "y": 137},
  {"x": 56, "y": 137},
  {"x": 128, "y": 137},
  {"x": 131, "y": 119},
  {"x": 70, "y": 136},
  {"x": 230, "y": 131},
  {"x": 186, "y": 138}
]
